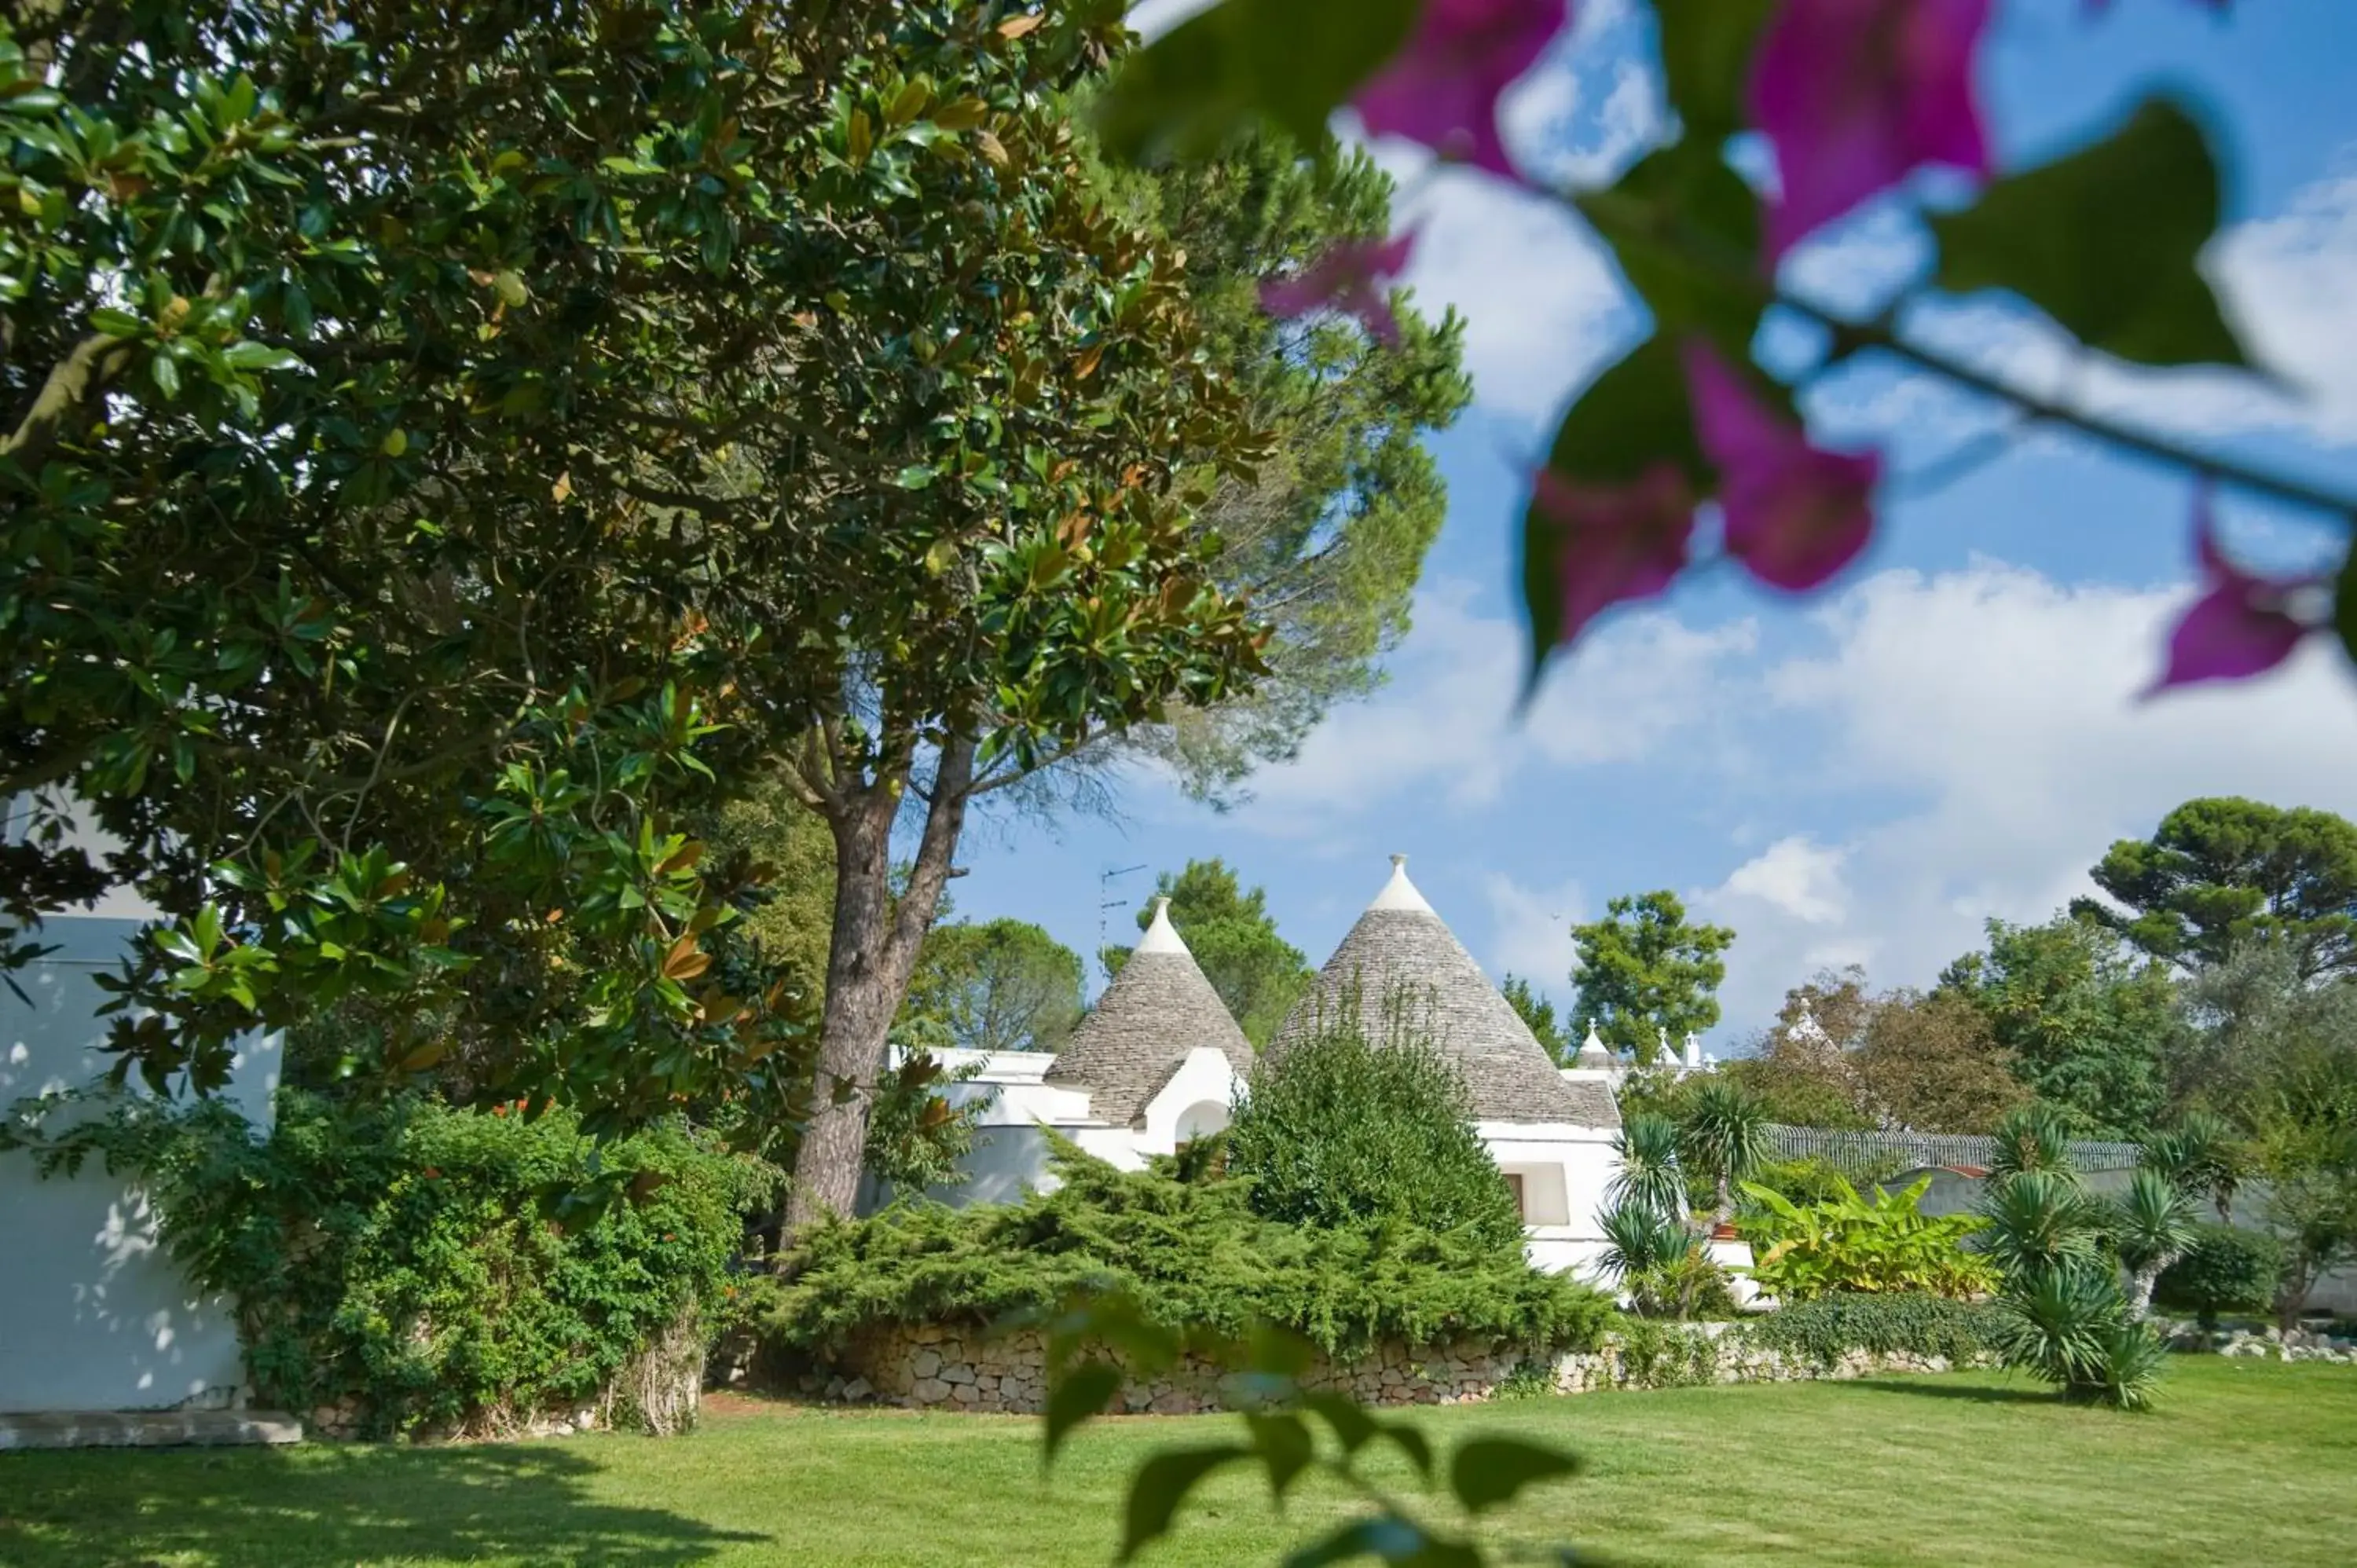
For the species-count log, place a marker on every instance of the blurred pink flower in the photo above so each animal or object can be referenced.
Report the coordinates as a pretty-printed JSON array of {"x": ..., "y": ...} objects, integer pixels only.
[
  {"x": 2242, "y": 627},
  {"x": 1794, "y": 515},
  {"x": 1442, "y": 88},
  {"x": 1619, "y": 541},
  {"x": 1854, "y": 94},
  {"x": 1346, "y": 278}
]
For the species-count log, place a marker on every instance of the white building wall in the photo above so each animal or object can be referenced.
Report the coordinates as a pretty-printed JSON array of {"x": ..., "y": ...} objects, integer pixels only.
[
  {"x": 1565, "y": 1172},
  {"x": 94, "y": 1315}
]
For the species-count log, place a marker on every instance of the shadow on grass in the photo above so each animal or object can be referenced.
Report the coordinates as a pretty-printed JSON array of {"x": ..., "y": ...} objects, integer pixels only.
[
  {"x": 322, "y": 1507},
  {"x": 1941, "y": 1388}
]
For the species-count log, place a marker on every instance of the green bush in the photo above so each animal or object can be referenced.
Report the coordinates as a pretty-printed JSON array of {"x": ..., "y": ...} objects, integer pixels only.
[
  {"x": 1192, "y": 1253},
  {"x": 1344, "y": 1129},
  {"x": 1851, "y": 1243},
  {"x": 2225, "y": 1270},
  {"x": 408, "y": 1259},
  {"x": 1892, "y": 1323}
]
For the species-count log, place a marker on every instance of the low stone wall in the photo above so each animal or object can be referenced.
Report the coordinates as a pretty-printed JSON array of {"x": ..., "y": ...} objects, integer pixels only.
[
  {"x": 2271, "y": 1344},
  {"x": 933, "y": 1366}
]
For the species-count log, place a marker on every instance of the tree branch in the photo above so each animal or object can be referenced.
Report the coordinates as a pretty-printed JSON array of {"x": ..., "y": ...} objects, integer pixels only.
[{"x": 71, "y": 382}]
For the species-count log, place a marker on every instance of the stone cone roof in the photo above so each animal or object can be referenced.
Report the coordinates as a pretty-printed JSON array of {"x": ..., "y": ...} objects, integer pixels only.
[
  {"x": 1158, "y": 1008},
  {"x": 1401, "y": 946}
]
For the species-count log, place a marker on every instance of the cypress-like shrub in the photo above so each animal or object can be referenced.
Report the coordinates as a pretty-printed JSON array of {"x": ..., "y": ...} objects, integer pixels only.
[{"x": 1344, "y": 1129}]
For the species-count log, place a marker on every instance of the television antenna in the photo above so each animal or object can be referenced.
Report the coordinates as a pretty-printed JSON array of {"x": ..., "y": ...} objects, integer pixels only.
[{"x": 1105, "y": 879}]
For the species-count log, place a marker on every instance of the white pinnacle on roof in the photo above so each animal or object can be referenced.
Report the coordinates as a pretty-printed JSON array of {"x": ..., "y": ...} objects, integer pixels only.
[
  {"x": 1593, "y": 1052},
  {"x": 1399, "y": 893},
  {"x": 1160, "y": 936}
]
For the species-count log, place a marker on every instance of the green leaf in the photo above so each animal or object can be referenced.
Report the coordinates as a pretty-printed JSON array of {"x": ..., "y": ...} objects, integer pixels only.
[
  {"x": 116, "y": 323},
  {"x": 1487, "y": 1471},
  {"x": 1162, "y": 1483},
  {"x": 915, "y": 476},
  {"x": 252, "y": 356},
  {"x": 1631, "y": 417},
  {"x": 1285, "y": 1447},
  {"x": 166, "y": 374},
  {"x": 1707, "y": 47},
  {"x": 1081, "y": 1393},
  {"x": 1354, "y": 1427},
  {"x": 2105, "y": 241},
  {"x": 2344, "y": 603},
  {"x": 511, "y": 288},
  {"x": 1686, "y": 229},
  {"x": 1290, "y": 61}
]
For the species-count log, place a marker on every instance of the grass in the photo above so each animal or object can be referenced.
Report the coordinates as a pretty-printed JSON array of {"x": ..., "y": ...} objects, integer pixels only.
[{"x": 2246, "y": 1462}]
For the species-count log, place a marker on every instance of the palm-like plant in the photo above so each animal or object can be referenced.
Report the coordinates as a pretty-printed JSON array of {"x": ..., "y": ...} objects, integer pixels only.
[
  {"x": 1724, "y": 1135},
  {"x": 1649, "y": 1175},
  {"x": 2066, "y": 1323},
  {"x": 2038, "y": 1220},
  {"x": 2033, "y": 1137},
  {"x": 2153, "y": 1225},
  {"x": 2202, "y": 1158},
  {"x": 1641, "y": 1244}
]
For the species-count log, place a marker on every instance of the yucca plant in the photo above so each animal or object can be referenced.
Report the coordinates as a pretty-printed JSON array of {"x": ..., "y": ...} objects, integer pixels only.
[
  {"x": 2057, "y": 1321},
  {"x": 2036, "y": 1220},
  {"x": 2153, "y": 1224},
  {"x": 2033, "y": 1137},
  {"x": 1639, "y": 1239},
  {"x": 2130, "y": 1369},
  {"x": 1649, "y": 1174},
  {"x": 1723, "y": 1135},
  {"x": 2201, "y": 1157}
]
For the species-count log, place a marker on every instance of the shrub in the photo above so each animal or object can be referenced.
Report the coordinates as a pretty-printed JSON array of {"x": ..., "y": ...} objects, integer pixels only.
[
  {"x": 1852, "y": 1243},
  {"x": 2225, "y": 1270},
  {"x": 1192, "y": 1255},
  {"x": 434, "y": 1268},
  {"x": 1899, "y": 1322},
  {"x": 1344, "y": 1129}
]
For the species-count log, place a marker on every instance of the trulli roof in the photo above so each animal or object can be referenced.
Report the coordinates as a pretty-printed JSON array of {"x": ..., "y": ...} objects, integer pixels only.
[
  {"x": 1401, "y": 946},
  {"x": 1158, "y": 1008}
]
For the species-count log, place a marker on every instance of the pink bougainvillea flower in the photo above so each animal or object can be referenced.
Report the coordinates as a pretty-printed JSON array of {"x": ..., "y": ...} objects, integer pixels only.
[
  {"x": 1346, "y": 278},
  {"x": 1442, "y": 88},
  {"x": 1794, "y": 515},
  {"x": 1856, "y": 94},
  {"x": 2242, "y": 626},
  {"x": 1619, "y": 541}
]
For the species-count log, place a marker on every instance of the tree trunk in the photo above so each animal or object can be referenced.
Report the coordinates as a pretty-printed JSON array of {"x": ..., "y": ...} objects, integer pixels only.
[
  {"x": 871, "y": 954},
  {"x": 2140, "y": 1283}
]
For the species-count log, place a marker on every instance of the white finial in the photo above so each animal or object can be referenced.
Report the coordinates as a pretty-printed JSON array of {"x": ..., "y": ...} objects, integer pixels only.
[
  {"x": 1694, "y": 1050},
  {"x": 1399, "y": 893},
  {"x": 1592, "y": 1052},
  {"x": 1661, "y": 1042},
  {"x": 1160, "y": 936}
]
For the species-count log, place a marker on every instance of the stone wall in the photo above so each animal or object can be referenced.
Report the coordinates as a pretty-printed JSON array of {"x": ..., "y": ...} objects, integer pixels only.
[{"x": 933, "y": 1366}]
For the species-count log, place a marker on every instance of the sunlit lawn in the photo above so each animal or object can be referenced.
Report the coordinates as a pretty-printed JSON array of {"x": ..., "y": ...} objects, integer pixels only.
[{"x": 2245, "y": 1462}]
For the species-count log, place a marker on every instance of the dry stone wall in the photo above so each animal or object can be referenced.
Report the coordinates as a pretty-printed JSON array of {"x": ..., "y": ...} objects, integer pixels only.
[{"x": 937, "y": 1367}]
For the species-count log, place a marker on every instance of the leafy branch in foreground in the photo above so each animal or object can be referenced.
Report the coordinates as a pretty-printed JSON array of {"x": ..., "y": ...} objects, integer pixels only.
[{"x": 1288, "y": 1432}]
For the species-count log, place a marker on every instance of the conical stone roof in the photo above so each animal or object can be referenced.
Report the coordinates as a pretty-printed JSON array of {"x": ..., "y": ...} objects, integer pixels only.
[
  {"x": 1158, "y": 1008},
  {"x": 1400, "y": 947}
]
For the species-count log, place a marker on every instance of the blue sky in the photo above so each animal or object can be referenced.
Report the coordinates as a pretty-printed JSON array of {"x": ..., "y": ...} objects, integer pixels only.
[{"x": 1863, "y": 776}]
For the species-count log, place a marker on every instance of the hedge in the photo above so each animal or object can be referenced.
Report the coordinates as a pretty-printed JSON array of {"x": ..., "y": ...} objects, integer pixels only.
[{"x": 1827, "y": 1328}]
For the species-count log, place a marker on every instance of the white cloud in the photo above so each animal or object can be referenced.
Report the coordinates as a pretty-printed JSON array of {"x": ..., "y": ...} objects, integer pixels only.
[
  {"x": 1989, "y": 714},
  {"x": 1796, "y": 875},
  {"x": 1445, "y": 727},
  {"x": 1530, "y": 931}
]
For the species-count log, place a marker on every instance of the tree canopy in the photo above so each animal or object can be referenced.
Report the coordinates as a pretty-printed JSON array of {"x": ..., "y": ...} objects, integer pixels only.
[
  {"x": 2085, "y": 1018},
  {"x": 1843, "y": 1057},
  {"x": 996, "y": 985},
  {"x": 1234, "y": 940},
  {"x": 1643, "y": 971},
  {"x": 2226, "y": 871},
  {"x": 1538, "y": 1014}
]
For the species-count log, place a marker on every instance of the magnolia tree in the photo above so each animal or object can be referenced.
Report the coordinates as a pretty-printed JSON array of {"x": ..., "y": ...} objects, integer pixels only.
[{"x": 1687, "y": 449}]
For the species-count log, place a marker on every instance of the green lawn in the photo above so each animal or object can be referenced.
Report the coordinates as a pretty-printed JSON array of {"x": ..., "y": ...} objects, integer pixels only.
[{"x": 2246, "y": 1462}]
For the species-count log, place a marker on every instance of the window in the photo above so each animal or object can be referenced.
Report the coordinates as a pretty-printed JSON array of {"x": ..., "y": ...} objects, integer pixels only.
[{"x": 1514, "y": 1183}]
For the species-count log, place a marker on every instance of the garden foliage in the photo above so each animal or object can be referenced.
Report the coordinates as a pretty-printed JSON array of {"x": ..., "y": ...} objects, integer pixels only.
[
  {"x": 1889, "y": 1323},
  {"x": 1346, "y": 1129},
  {"x": 2227, "y": 1268},
  {"x": 1851, "y": 1243},
  {"x": 406, "y": 1260},
  {"x": 1192, "y": 1255}
]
